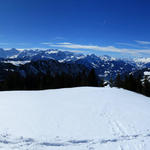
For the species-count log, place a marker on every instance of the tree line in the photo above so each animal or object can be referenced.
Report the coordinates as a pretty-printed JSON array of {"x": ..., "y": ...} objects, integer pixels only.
[
  {"x": 133, "y": 83},
  {"x": 15, "y": 81}
]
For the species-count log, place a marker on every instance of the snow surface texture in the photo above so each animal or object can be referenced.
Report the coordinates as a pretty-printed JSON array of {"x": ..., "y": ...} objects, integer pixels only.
[
  {"x": 147, "y": 73},
  {"x": 17, "y": 63},
  {"x": 74, "y": 119}
]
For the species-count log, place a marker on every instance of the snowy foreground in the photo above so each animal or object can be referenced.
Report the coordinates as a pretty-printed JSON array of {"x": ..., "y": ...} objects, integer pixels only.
[{"x": 74, "y": 119}]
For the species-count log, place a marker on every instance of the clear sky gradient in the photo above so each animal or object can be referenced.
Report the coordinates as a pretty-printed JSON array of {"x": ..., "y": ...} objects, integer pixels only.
[{"x": 119, "y": 28}]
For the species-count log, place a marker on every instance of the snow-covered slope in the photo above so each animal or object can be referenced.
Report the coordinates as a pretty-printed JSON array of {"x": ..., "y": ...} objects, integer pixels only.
[
  {"x": 142, "y": 60},
  {"x": 8, "y": 53},
  {"x": 74, "y": 119}
]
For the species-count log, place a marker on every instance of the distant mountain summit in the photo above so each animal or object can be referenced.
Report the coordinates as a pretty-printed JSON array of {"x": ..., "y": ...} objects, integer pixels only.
[{"x": 8, "y": 53}]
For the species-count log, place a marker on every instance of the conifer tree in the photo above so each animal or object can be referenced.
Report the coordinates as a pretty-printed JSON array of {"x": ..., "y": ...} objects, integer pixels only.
[
  {"x": 92, "y": 79},
  {"x": 118, "y": 81}
]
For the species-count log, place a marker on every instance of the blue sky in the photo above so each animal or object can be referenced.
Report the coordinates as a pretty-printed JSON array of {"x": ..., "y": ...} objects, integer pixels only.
[{"x": 120, "y": 28}]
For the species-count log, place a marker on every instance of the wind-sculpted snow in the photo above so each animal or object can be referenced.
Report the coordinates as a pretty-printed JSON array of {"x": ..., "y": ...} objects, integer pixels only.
[{"x": 78, "y": 118}]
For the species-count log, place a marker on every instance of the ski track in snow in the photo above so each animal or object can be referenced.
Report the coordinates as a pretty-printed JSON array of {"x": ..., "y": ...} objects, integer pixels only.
[{"x": 8, "y": 141}]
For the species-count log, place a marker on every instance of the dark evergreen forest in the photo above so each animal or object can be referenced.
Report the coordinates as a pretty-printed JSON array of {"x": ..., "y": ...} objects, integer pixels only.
[
  {"x": 15, "y": 81},
  {"x": 132, "y": 83}
]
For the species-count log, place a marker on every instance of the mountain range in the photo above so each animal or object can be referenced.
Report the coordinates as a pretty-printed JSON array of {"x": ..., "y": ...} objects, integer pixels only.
[{"x": 106, "y": 67}]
